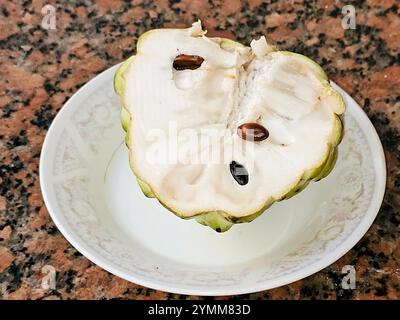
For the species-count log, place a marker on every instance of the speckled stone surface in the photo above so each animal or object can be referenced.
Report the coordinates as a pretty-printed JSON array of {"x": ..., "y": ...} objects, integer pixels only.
[{"x": 41, "y": 69}]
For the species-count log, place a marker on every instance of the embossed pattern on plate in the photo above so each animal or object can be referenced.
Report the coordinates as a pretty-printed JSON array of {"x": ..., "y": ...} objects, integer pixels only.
[{"x": 94, "y": 200}]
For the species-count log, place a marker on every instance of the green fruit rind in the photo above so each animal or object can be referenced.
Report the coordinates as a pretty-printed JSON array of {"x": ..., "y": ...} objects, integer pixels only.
[
  {"x": 329, "y": 165},
  {"x": 214, "y": 220},
  {"x": 127, "y": 139},
  {"x": 119, "y": 87},
  {"x": 251, "y": 217},
  {"x": 125, "y": 122},
  {"x": 125, "y": 119},
  {"x": 326, "y": 166},
  {"x": 318, "y": 71},
  {"x": 297, "y": 189},
  {"x": 339, "y": 131},
  {"x": 341, "y": 105},
  {"x": 227, "y": 44},
  {"x": 119, "y": 77},
  {"x": 145, "y": 188},
  {"x": 222, "y": 221}
]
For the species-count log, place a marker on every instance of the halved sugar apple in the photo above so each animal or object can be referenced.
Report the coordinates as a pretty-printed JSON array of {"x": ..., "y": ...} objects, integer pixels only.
[{"x": 218, "y": 131}]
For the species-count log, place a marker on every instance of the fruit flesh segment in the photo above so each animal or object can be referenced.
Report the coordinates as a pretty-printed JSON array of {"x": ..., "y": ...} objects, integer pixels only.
[{"x": 284, "y": 92}]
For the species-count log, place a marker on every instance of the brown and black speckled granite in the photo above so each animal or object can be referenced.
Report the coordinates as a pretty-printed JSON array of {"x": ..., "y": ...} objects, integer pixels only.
[{"x": 41, "y": 69}]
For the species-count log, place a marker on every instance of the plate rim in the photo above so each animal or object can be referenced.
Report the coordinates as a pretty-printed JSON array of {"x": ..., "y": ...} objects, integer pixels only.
[{"x": 362, "y": 228}]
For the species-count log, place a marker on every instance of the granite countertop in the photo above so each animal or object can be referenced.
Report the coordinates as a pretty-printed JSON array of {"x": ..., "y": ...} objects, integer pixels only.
[{"x": 41, "y": 69}]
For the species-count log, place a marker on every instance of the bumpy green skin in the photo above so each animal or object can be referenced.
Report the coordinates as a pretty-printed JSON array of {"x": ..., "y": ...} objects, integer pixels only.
[
  {"x": 119, "y": 87},
  {"x": 222, "y": 221},
  {"x": 145, "y": 188},
  {"x": 214, "y": 220},
  {"x": 119, "y": 77}
]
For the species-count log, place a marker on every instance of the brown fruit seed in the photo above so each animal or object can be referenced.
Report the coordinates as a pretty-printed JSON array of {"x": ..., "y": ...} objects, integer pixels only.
[
  {"x": 252, "y": 132},
  {"x": 185, "y": 61}
]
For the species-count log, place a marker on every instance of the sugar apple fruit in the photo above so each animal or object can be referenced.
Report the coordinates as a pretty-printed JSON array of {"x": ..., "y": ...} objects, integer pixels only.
[{"x": 275, "y": 121}]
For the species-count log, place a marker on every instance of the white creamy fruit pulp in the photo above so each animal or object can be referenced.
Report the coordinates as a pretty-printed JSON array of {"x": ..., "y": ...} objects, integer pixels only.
[{"x": 234, "y": 85}]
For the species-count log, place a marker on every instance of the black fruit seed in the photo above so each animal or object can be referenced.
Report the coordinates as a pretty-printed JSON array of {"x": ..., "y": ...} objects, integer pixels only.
[{"x": 239, "y": 173}]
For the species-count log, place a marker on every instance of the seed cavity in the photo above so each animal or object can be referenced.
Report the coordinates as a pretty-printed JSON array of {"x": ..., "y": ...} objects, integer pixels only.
[
  {"x": 185, "y": 61},
  {"x": 239, "y": 173},
  {"x": 252, "y": 132}
]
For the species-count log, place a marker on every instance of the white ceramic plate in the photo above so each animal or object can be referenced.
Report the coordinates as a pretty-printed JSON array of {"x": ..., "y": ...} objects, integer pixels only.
[{"x": 96, "y": 203}]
